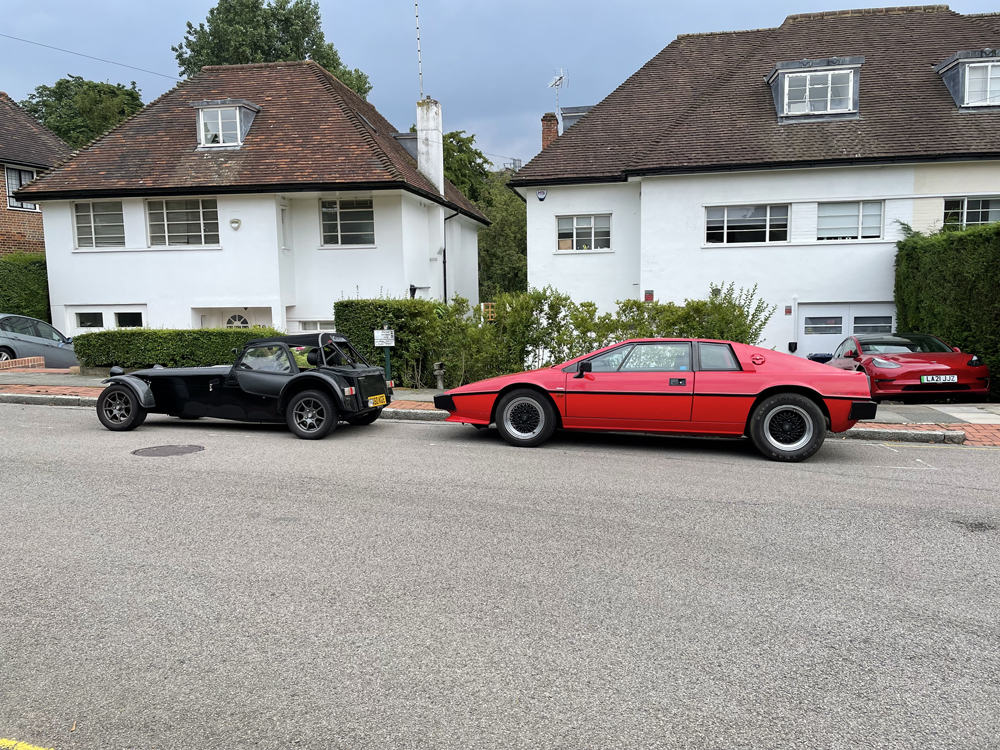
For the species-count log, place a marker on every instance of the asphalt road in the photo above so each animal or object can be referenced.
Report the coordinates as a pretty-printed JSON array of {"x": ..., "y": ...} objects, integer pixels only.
[{"x": 415, "y": 585}]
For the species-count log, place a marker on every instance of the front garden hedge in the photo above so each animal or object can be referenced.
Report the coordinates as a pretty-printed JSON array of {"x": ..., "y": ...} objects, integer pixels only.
[
  {"x": 133, "y": 348},
  {"x": 948, "y": 285},
  {"x": 24, "y": 285}
]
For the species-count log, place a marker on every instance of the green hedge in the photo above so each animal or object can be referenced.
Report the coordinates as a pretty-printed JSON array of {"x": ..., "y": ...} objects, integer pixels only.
[
  {"x": 144, "y": 347},
  {"x": 533, "y": 329},
  {"x": 948, "y": 285},
  {"x": 24, "y": 285}
]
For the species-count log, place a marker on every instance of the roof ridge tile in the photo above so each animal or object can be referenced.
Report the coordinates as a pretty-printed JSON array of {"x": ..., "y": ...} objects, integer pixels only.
[{"x": 900, "y": 9}]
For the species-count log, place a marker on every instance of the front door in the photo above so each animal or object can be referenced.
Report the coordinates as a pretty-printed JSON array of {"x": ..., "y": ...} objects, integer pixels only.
[
  {"x": 641, "y": 386},
  {"x": 22, "y": 334},
  {"x": 56, "y": 351},
  {"x": 260, "y": 374}
]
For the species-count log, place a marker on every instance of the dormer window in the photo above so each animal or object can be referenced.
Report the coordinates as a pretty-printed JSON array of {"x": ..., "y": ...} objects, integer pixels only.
[
  {"x": 982, "y": 84},
  {"x": 220, "y": 127},
  {"x": 972, "y": 78},
  {"x": 809, "y": 90},
  {"x": 819, "y": 93},
  {"x": 223, "y": 123}
]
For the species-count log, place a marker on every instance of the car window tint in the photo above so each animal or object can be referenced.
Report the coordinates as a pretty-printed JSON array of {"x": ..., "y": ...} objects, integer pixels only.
[
  {"x": 904, "y": 344},
  {"x": 47, "y": 332},
  {"x": 5, "y": 324},
  {"x": 658, "y": 358},
  {"x": 266, "y": 359},
  {"x": 610, "y": 361},
  {"x": 717, "y": 357},
  {"x": 22, "y": 326},
  {"x": 841, "y": 349}
]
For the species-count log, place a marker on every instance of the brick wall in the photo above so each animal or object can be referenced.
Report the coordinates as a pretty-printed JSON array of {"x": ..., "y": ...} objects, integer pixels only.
[{"x": 19, "y": 230}]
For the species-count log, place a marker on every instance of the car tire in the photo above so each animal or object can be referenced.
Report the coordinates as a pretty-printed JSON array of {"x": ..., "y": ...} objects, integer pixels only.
[
  {"x": 119, "y": 409},
  {"x": 365, "y": 418},
  {"x": 6, "y": 354},
  {"x": 787, "y": 427},
  {"x": 525, "y": 418},
  {"x": 311, "y": 415}
]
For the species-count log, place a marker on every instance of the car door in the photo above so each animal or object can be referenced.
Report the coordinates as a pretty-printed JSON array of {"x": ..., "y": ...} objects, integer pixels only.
[
  {"x": 646, "y": 385},
  {"x": 845, "y": 354},
  {"x": 260, "y": 374},
  {"x": 23, "y": 336},
  {"x": 57, "y": 351},
  {"x": 724, "y": 391}
]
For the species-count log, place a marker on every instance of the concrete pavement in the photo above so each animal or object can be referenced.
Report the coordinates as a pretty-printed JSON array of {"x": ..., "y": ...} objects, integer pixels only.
[{"x": 411, "y": 585}]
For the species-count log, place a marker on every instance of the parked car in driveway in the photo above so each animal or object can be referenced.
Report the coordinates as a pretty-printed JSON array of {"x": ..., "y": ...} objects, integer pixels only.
[
  {"x": 913, "y": 366},
  {"x": 784, "y": 404},
  {"x": 21, "y": 337},
  {"x": 265, "y": 384}
]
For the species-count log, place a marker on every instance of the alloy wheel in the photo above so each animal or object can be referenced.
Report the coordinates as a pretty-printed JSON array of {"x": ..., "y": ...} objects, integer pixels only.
[
  {"x": 4, "y": 356},
  {"x": 788, "y": 428},
  {"x": 523, "y": 418},
  {"x": 118, "y": 407},
  {"x": 309, "y": 414}
]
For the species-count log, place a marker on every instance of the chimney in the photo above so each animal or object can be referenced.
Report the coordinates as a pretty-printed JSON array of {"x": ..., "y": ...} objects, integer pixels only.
[
  {"x": 430, "y": 142},
  {"x": 550, "y": 129}
]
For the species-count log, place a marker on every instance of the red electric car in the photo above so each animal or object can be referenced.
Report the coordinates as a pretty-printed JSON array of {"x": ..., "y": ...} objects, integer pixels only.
[
  {"x": 914, "y": 366},
  {"x": 784, "y": 404}
]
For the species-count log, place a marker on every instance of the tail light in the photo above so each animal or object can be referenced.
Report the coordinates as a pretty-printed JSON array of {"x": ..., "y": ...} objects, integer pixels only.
[
  {"x": 350, "y": 391},
  {"x": 389, "y": 384}
]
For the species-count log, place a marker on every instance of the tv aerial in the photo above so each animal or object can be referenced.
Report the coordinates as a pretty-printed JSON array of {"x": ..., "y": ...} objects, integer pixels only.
[{"x": 560, "y": 79}]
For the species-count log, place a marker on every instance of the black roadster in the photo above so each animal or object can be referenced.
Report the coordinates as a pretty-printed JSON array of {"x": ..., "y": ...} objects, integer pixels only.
[{"x": 327, "y": 383}]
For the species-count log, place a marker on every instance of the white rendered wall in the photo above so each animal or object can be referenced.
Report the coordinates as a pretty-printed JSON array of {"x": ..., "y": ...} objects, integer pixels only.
[
  {"x": 597, "y": 276},
  {"x": 678, "y": 264},
  {"x": 242, "y": 271}
]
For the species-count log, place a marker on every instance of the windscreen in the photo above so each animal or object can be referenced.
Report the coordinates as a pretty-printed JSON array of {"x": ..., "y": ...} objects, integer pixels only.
[
  {"x": 903, "y": 344},
  {"x": 341, "y": 353}
]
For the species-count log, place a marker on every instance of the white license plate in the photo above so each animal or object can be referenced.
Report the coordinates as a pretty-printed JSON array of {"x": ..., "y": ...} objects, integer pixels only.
[{"x": 939, "y": 378}]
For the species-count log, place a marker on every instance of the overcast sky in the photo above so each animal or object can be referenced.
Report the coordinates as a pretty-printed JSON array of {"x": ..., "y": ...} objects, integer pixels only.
[{"x": 487, "y": 61}]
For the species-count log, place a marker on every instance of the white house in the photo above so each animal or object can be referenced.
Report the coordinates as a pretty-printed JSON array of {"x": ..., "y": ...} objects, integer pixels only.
[
  {"x": 253, "y": 194},
  {"x": 789, "y": 158}
]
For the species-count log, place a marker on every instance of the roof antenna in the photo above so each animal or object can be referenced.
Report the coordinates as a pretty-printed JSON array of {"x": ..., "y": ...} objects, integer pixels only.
[
  {"x": 561, "y": 79},
  {"x": 420, "y": 65}
]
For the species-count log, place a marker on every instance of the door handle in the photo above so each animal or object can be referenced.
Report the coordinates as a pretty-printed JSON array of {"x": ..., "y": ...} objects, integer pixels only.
[
  {"x": 212, "y": 383},
  {"x": 678, "y": 381}
]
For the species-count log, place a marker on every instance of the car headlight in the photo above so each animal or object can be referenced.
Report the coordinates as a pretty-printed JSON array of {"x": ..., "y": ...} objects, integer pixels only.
[
  {"x": 884, "y": 363},
  {"x": 975, "y": 361}
]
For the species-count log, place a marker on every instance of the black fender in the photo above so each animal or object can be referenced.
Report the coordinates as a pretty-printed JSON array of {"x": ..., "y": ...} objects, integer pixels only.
[
  {"x": 306, "y": 380},
  {"x": 138, "y": 386}
]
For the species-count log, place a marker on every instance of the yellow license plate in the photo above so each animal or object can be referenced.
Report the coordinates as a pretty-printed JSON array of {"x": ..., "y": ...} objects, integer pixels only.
[{"x": 376, "y": 401}]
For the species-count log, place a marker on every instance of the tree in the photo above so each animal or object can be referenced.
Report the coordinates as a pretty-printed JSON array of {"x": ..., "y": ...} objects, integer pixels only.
[
  {"x": 79, "y": 111},
  {"x": 464, "y": 164},
  {"x": 257, "y": 31},
  {"x": 503, "y": 246}
]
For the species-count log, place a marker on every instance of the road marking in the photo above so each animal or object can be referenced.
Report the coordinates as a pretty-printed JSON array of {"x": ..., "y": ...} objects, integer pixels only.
[
  {"x": 15, "y": 745},
  {"x": 889, "y": 448}
]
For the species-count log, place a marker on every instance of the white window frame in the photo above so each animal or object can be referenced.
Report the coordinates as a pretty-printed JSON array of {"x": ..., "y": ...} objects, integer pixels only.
[
  {"x": 965, "y": 208},
  {"x": 990, "y": 66},
  {"x": 315, "y": 326},
  {"x": 767, "y": 227},
  {"x": 611, "y": 232},
  {"x": 11, "y": 200},
  {"x": 340, "y": 234},
  {"x": 217, "y": 112},
  {"x": 166, "y": 232},
  {"x": 852, "y": 106},
  {"x": 93, "y": 225},
  {"x": 861, "y": 211}
]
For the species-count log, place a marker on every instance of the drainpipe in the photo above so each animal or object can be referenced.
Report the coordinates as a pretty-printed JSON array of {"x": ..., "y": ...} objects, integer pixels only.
[{"x": 444, "y": 256}]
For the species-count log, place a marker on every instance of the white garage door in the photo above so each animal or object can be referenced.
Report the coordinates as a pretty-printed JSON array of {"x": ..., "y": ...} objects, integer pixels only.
[{"x": 823, "y": 327}]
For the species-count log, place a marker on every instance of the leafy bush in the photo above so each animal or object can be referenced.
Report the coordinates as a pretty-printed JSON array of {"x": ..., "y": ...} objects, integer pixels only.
[
  {"x": 946, "y": 285},
  {"x": 144, "y": 347},
  {"x": 533, "y": 329},
  {"x": 24, "y": 285}
]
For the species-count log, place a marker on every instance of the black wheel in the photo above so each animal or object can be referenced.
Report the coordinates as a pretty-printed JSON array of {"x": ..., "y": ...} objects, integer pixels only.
[
  {"x": 311, "y": 415},
  {"x": 525, "y": 418},
  {"x": 365, "y": 418},
  {"x": 119, "y": 409},
  {"x": 6, "y": 354},
  {"x": 787, "y": 427}
]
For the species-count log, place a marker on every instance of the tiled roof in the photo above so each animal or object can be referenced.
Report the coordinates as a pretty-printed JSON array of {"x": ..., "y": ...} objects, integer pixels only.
[
  {"x": 312, "y": 133},
  {"x": 703, "y": 104},
  {"x": 25, "y": 141}
]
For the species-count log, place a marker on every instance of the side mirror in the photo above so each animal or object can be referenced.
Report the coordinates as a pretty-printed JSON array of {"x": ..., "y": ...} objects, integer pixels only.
[
  {"x": 956, "y": 349},
  {"x": 583, "y": 368},
  {"x": 234, "y": 350},
  {"x": 68, "y": 340},
  {"x": 850, "y": 353}
]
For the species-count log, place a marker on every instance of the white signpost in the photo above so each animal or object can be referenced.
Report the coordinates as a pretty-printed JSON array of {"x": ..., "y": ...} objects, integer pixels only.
[{"x": 385, "y": 337}]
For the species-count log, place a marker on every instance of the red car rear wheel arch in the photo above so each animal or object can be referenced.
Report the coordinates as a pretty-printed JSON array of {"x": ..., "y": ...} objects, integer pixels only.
[
  {"x": 800, "y": 390},
  {"x": 530, "y": 386}
]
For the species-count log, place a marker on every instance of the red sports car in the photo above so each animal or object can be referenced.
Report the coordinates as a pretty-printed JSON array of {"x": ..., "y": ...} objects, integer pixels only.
[
  {"x": 783, "y": 403},
  {"x": 912, "y": 366}
]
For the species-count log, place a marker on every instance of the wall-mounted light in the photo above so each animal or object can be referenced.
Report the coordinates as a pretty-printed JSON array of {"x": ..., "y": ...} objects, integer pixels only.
[{"x": 235, "y": 224}]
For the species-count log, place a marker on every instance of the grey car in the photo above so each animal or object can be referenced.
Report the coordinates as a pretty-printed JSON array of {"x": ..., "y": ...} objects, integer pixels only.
[{"x": 21, "y": 336}]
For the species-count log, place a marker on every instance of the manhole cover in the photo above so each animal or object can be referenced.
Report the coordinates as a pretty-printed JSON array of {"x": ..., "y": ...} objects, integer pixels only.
[{"x": 168, "y": 450}]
